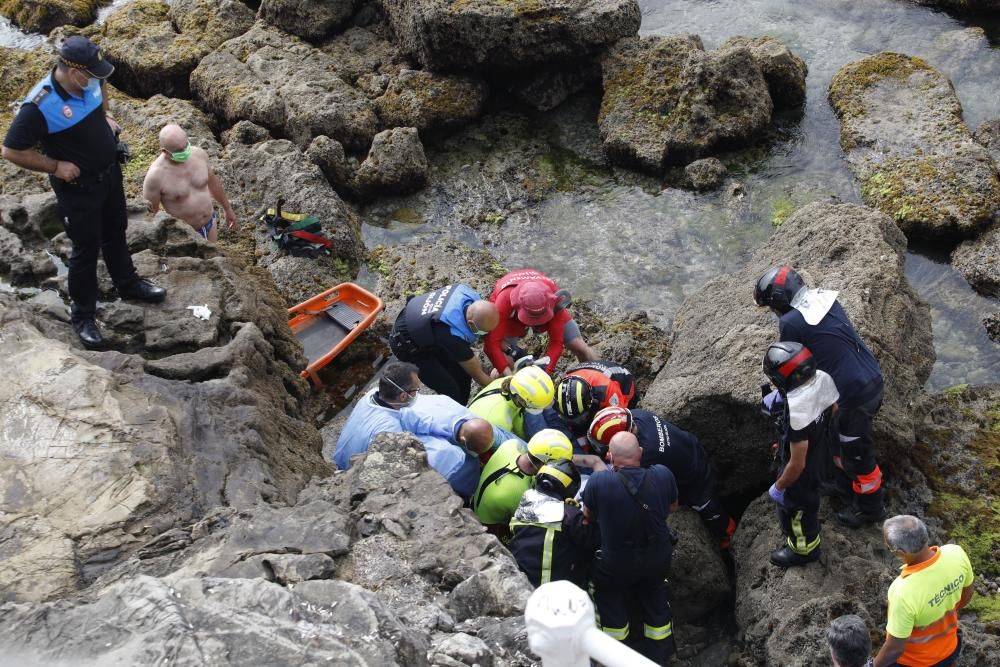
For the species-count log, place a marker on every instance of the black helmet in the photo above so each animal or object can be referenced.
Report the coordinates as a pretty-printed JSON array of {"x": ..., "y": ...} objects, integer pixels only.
[
  {"x": 777, "y": 287},
  {"x": 574, "y": 398},
  {"x": 789, "y": 365},
  {"x": 558, "y": 478}
]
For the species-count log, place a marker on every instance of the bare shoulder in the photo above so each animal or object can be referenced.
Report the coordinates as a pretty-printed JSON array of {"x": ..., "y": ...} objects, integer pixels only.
[{"x": 155, "y": 170}]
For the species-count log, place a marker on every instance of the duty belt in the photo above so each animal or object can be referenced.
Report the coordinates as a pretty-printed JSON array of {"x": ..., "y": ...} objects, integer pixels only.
[{"x": 92, "y": 178}]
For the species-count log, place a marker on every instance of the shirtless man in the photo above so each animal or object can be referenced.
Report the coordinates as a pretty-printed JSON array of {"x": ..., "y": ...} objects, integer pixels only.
[{"x": 183, "y": 181}]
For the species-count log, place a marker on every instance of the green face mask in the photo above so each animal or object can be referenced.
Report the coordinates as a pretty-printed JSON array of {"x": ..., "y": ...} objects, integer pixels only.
[{"x": 182, "y": 156}]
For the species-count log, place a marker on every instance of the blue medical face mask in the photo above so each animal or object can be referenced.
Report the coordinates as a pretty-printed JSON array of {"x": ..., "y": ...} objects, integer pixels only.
[
  {"x": 93, "y": 85},
  {"x": 475, "y": 330}
]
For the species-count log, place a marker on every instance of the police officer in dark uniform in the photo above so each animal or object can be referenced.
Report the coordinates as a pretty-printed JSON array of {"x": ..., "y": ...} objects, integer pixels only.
[
  {"x": 667, "y": 444},
  {"x": 67, "y": 113},
  {"x": 435, "y": 331},
  {"x": 815, "y": 318},
  {"x": 630, "y": 505}
]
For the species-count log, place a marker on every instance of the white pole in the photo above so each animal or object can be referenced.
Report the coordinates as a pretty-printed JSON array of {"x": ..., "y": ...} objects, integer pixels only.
[{"x": 562, "y": 630}]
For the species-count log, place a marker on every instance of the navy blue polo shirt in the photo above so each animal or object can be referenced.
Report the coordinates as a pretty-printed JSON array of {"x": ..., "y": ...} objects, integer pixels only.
[
  {"x": 619, "y": 517},
  {"x": 69, "y": 128},
  {"x": 838, "y": 350},
  {"x": 671, "y": 446}
]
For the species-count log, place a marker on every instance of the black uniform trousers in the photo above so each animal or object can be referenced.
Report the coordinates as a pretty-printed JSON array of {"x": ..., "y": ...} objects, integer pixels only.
[
  {"x": 94, "y": 216},
  {"x": 858, "y": 473},
  {"x": 701, "y": 497},
  {"x": 437, "y": 370},
  {"x": 636, "y": 577},
  {"x": 799, "y": 518}
]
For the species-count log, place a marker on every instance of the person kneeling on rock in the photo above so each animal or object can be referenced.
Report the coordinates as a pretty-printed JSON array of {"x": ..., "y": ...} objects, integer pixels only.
[
  {"x": 380, "y": 411},
  {"x": 507, "y": 475},
  {"x": 806, "y": 399},
  {"x": 181, "y": 178}
]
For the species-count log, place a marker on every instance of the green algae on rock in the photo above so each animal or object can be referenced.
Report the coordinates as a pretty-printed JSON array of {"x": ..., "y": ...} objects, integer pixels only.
[
  {"x": 905, "y": 140},
  {"x": 155, "y": 46},
  {"x": 491, "y": 35},
  {"x": 668, "y": 101},
  {"x": 46, "y": 15}
]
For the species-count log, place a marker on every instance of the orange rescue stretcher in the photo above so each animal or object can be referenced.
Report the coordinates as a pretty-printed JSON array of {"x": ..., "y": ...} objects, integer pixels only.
[{"x": 327, "y": 323}]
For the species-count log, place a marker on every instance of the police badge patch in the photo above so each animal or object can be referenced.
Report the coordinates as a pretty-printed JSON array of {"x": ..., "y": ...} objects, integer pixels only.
[{"x": 67, "y": 111}]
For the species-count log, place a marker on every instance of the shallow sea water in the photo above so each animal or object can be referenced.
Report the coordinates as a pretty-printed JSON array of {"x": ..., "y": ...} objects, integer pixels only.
[{"x": 625, "y": 242}]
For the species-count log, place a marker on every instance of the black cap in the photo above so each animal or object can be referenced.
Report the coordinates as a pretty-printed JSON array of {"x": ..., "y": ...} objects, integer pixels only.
[{"x": 81, "y": 53}]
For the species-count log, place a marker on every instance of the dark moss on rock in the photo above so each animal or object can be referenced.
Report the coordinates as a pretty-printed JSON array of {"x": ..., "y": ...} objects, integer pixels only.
[
  {"x": 46, "y": 15},
  {"x": 668, "y": 101}
]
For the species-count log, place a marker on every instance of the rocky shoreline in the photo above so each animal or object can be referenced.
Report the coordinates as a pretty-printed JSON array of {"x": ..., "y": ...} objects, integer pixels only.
[{"x": 176, "y": 487}]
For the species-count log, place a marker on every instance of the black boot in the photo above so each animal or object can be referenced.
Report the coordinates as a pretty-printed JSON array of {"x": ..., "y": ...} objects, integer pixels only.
[
  {"x": 143, "y": 290},
  {"x": 852, "y": 518},
  {"x": 785, "y": 557},
  {"x": 89, "y": 334}
]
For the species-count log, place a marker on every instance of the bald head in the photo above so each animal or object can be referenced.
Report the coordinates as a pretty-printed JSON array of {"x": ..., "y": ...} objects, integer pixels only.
[
  {"x": 476, "y": 434},
  {"x": 173, "y": 138},
  {"x": 625, "y": 449},
  {"x": 483, "y": 315}
]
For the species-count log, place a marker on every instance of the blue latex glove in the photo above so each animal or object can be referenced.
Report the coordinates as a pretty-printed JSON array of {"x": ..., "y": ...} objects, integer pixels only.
[{"x": 777, "y": 495}]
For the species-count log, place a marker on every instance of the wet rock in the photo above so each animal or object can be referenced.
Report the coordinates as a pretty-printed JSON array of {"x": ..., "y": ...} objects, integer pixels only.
[
  {"x": 328, "y": 154},
  {"x": 979, "y": 262},
  {"x": 32, "y": 218},
  {"x": 668, "y": 101},
  {"x": 170, "y": 236},
  {"x": 311, "y": 19},
  {"x": 988, "y": 135},
  {"x": 699, "y": 582},
  {"x": 256, "y": 176},
  {"x": 395, "y": 164},
  {"x": 719, "y": 339},
  {"x": 430, "y": 101},
  {"x": 359, "y": 53},
  {"x": 45, "y": 15},
  {"x": 488, "y": 35},
  {"x": 275, "y": 80},
  {"x": 546, "y": 89},
  {"x": 220, "y": 621},
  {"x": 390, "y": 530},
  {"x": 706, "y": 174},
  {"x": 141, "y": 122},
  {"x": 904, "y": 138},
  {"x": 20, "y": 70},
  {"x": 784, "y": 71},
  {"x": 958, "y": 450},
  {"x": 784, "y": 613},
  {"x": 461, "y": 649},
  {"x": 992, "y": 324},
  {"x": 118, "y": 453},
  {"x": 245, "y": 132},
  {"x": 155, "y": 46},
  {"x": 25, "y": 267}
]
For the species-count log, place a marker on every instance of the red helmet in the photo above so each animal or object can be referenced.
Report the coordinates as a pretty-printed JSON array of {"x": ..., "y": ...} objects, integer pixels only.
[{"x": 606, "y": 424}]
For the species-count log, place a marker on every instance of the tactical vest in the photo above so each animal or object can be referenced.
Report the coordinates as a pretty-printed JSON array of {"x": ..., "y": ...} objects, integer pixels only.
[{"x": 446, "y": 305}]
